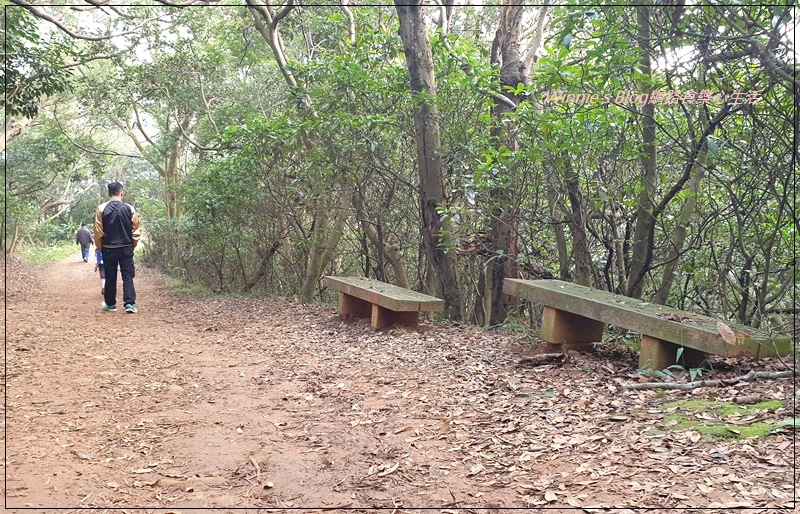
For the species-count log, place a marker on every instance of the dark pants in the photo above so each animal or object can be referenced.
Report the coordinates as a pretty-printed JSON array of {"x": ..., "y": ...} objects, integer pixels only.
[{"x": 122, "y": 258}]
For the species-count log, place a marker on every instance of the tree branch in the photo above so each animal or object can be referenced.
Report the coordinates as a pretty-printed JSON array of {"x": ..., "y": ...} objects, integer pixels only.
[
  {"x": 140, "y": 127},
  {"x": 351, "y": 22},
  {"x": 205, "y": 102},
  {"x": 281, "y": 15},
  {"x": 85, "y": 149},
  {"x": 44, "y": 16},
  {"x": 538, "y": 36},
  {"x": 710, "y": 383},
  {"x": 467, "y": 69}
]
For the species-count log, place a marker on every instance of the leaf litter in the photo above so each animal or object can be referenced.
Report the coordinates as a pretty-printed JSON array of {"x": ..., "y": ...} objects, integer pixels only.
[{"x": 284, "y": 405}]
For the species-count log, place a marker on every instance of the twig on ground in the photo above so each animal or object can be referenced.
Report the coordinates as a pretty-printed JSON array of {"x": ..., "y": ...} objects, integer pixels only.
[
  {"x": 710, "y": 383},
  {"x": 255, "y": 465},
  {"x": 542, "y": 358}
]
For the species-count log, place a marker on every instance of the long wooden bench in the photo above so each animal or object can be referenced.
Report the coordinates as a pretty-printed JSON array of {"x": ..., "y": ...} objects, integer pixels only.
[
  {"x": 576, "y": 315},
  {"x": 385, "y": 304}
]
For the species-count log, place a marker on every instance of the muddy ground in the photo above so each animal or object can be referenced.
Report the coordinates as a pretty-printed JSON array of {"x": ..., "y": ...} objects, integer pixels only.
[{"x": 271, "y": 405}]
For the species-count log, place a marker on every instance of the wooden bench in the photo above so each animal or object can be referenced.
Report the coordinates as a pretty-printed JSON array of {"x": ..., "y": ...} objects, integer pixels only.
[
  {"x": 386, "y": 304},
  {"x": 576, "y": 315}
]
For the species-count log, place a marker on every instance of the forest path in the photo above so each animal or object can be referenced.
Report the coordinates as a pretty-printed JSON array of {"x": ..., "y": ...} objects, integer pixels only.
[{"x": 230, "y": 403}]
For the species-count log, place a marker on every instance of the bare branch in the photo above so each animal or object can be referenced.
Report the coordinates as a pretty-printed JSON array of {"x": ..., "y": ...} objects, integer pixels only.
[
  {"x": 710, "y": 383},
  {"x": 187, "y": 3},
  {"x": 140, "y": 127},
  {"x": 53, "y": 204},
  {"x": 351, "y": 22},
  {"x": 444, "y": 21},
  {"x": 538, "y": 37},
  {"x": 467, "y": 69},
  {"x": 84, "y": 148},
  {"x": 281, "y": 15},
  {"x": 269, "y": 33},
  {"x": 726, "y": 56},
  {"x": 183, "y": 126},
  {"x": 205, "y": 102},
  {"x": 44, "y": 16}
]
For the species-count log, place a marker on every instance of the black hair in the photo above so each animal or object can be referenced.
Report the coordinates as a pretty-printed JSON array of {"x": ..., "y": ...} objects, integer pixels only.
[{"x": 114, "y": 188}]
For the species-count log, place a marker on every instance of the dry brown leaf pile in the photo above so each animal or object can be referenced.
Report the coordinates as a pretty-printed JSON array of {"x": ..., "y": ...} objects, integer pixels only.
[{"x": 231, "y": 403}]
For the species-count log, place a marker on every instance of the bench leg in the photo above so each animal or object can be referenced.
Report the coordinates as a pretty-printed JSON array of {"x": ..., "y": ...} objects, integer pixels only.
[
  {"x": 659, "y": 354},
  {"x": 571, "y": 330},
  {"x": 382, "y": 317},
  {"x": 352, "y": 307}
]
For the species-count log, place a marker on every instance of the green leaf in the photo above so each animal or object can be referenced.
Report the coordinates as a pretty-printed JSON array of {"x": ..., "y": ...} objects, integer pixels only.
[
  {"x": 786, "y": 423},
  {"x": 664, "y": 373},
  {"x": 713, "y": 146}
]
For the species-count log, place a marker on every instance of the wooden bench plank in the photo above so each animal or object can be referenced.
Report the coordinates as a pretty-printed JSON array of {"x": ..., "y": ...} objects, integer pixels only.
[
  {"x": 385, "y": 304},
  {"x": 657, "y": 321},
  {"x": 389, "y": 296}
]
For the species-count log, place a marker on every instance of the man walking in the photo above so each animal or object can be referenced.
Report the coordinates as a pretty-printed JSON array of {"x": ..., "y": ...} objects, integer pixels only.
[
  {"x": 116, "y": 233},
  {"x": 84, "y": 238}
]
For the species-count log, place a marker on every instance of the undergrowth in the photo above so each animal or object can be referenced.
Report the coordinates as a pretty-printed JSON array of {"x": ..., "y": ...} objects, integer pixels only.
[{"x": 39, "y": 254}]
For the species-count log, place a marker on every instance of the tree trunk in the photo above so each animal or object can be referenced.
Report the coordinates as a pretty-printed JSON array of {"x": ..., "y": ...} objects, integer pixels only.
[
  {"x": 584, "y": 269},
  {"x": 644, "y": 216},
  {"x": 173, "y": 199},
  {"x": 12, "y": 128},
  {"x": 503, "y": 222},
  {"x": 437, "y": 235},
  {"x": 325, "y": 239},
  {"x": 682, "y": 226},
  {"x": 483, "y": 297},
  {"x": 619, "y": 252},
  {"x": 11, "y": 246},
  {"x": 561, "y": 238},
  {"x": 390, "y": 253},
  {"x": 171, "y": 181}
]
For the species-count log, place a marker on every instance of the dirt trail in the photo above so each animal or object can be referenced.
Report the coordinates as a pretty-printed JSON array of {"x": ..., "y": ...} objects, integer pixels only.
[{"x": 272, "y": 404}]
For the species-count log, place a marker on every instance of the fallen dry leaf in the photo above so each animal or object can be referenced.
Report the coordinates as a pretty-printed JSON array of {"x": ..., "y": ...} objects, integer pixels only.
[
  {"x": 474, "y": 470},
  {"x": 138, "y": 483},
  {"x": 388, "y": 471},
  {"x": 562, "y": 435}
]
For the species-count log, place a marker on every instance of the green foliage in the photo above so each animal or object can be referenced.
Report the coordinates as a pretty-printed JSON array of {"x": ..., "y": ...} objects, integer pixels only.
[
  {"x": 42, "y": 254},
  {"x": 34, "y": 66},
  {"x": 669, "y": 373},
  {"x": 788, "y": 423},
  {"x": 722, "y": 410},
  {"x": 178, "y": 286},
  {"x": 268, "y": 165},
  {"x": 49, "y": 183}
]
